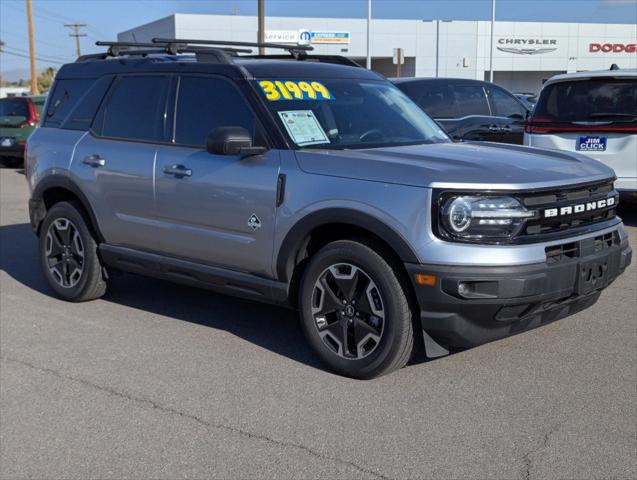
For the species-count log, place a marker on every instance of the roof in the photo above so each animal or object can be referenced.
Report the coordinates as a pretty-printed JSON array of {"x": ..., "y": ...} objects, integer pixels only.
[
  {"x": 258, "y": 68},
  {"x": 620, "y": 73}
]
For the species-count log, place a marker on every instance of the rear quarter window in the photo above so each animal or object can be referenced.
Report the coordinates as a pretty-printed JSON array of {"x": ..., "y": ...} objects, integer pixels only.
[
  {"x": 65, "y": 96},
  {"x": 603, "y": 99}
]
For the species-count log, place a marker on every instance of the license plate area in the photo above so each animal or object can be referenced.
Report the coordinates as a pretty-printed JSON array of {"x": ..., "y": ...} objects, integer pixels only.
[
  {"x": 593, "y": 275},
  {"x": 591, "y": 144}
]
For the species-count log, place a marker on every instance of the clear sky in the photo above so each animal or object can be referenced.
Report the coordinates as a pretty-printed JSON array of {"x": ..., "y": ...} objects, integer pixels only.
[{"x": 104, "y": 18}]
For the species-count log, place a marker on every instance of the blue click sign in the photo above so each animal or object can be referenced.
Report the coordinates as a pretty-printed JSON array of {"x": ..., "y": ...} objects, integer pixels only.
[{"x": 591, "y": 144}]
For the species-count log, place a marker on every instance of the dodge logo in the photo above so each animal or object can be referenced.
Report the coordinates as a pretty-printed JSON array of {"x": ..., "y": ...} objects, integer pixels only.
[{"x": 579, "y": 208}]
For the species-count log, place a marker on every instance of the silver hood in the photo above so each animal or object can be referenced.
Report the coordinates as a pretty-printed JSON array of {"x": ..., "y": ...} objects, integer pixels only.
[{"x": 458, "y": 165}]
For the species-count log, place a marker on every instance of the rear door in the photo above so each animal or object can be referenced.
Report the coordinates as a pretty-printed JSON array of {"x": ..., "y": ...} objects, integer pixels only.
[
  {"x": 115, "y": 161},
  {"x": 215, "y": 209},
  {"x": 474, "y": 120},
  {"x": 509, "y": 114}
]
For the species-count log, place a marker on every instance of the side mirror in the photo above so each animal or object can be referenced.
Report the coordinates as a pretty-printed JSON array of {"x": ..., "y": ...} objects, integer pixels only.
[{"x": 232, "y": 141}]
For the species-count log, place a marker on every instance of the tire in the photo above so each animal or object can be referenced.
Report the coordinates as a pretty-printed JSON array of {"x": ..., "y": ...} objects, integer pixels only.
[
  {"x": 68, "y": 254},
  {"x": 368, "y": 337}
]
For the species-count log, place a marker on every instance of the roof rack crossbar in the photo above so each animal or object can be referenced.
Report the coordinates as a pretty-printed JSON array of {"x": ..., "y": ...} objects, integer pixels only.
[{"x": 296, "y": 51}]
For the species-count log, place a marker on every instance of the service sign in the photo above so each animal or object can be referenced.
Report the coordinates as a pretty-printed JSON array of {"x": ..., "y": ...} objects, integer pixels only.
[{"x": 282, "y": 36}]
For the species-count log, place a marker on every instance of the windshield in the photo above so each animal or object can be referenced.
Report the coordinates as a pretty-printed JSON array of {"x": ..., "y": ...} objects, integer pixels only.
[
  {"x": 605, "y": 99},
  {"x": 351, "y": 113}
]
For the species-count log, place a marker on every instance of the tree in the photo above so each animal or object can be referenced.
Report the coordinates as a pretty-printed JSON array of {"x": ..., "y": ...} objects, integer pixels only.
[{"x": 45, "y": 79}]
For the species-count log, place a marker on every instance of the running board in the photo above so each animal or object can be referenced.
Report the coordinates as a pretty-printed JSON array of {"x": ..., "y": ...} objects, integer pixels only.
[{"x": 218, "y": 279}]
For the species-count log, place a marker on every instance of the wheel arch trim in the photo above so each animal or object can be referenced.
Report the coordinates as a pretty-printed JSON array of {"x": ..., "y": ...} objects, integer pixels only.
[
  {"x": 36, "y": 202},
  {"x": 298, "y": 234}
]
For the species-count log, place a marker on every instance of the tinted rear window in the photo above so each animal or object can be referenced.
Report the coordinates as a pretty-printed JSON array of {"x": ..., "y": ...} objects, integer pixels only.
[
  {"x": 135, "y": 109},
  {"x": 436, "y": 100},
  {"x": 471, "y": 100},
  {"x": 14, "y": 107},
  {"x": 64, "y": 97},
  {"x": 589, "y": 100}
]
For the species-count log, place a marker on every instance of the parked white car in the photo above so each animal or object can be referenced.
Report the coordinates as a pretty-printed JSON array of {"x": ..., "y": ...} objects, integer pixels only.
[{"x": 594, "y": 113}]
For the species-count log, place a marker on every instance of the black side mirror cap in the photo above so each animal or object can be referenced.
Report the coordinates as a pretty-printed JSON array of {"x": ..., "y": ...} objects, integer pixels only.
[{"x": 232, "y": 141}]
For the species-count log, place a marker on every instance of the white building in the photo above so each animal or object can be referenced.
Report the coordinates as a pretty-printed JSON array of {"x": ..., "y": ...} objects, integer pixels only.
[{"x": 524, "y": 54}]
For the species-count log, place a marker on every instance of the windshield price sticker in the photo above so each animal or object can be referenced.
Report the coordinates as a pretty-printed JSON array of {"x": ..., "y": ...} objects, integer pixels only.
[
  {"x": 303, "y": 127},
  {"x": 276, "y": 90}
]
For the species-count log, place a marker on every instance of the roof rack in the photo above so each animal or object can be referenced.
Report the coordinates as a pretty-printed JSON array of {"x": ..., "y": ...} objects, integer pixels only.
[
  {"x": 211, "y": 51},
  {"x": 295, "y": 50},
  {"x": 116, "y": 49}
]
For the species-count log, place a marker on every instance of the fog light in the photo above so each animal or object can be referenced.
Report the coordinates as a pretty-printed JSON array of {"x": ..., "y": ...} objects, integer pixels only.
[{"x": 463, "y": 289}]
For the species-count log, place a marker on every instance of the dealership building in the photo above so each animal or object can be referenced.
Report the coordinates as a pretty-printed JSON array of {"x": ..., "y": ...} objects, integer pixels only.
[{"x": 524, "y": 53}]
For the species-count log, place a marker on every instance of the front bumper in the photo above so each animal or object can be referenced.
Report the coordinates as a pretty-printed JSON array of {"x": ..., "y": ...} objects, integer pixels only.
[
  {"x": 16, "y": 150},
  {"x": 468, "y": 306}
]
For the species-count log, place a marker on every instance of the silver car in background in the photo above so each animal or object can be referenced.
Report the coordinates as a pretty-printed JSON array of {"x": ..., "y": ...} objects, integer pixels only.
[{"x": 593, "y": 113}]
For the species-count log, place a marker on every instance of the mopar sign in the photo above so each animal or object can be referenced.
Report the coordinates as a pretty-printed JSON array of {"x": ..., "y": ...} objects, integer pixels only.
[{"x": 329, "y": 37}]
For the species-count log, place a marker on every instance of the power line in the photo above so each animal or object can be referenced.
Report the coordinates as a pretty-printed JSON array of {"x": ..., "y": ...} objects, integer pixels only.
[
  {"x": 75, "y": 27},
  {"x": 47, "y": 60}
]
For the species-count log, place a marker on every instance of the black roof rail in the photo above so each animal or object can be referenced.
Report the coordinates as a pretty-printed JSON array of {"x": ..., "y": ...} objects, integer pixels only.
[
  {"x": 211, "y": 51},
  {"x": 295, "y": 50}
]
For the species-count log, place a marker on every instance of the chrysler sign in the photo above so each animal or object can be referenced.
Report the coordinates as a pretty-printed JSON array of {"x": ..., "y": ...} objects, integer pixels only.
[{"x": 527, "y": 46}]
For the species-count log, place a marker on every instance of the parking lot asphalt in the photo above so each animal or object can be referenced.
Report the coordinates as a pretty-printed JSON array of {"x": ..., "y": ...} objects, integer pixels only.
[{"x": 157, "y": 380}]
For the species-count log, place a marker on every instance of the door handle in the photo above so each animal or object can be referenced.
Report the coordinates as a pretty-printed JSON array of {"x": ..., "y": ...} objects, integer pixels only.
[
  {"x": 94, "y": 161},
  {"x": 506, "y": 128},
  {"x": 494, "y": 128},
  {"x": 177, "y": 171}
]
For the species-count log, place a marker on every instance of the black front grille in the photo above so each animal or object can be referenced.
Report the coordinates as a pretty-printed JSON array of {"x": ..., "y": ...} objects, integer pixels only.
[
  {"x": 582, "y": 195},
  {"x": 566, "y": 251}
]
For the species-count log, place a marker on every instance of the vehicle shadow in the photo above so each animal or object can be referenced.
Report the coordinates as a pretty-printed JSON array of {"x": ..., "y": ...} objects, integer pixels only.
[
  {"x": 628, "y": 211},
  {"x": 274, "y": 328}
]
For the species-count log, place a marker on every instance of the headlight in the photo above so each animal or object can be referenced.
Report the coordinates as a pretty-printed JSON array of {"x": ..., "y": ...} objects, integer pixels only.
[{"x": 475, "y": 218}]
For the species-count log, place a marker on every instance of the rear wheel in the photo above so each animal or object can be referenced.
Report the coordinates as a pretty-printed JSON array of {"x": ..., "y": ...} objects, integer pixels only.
[
  {"x": 354, "y": 311},
  {"x": 68, "y": 254}
]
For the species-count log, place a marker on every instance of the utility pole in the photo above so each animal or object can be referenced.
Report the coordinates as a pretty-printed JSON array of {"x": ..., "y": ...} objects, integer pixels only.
[
  {"x": 75, "y": 27},
  {"x": 491, "y": 50},
  {"x": 34, "y": 73},
  {"x": 261, "y": 30},
  {"x": 368, "y": 63}
]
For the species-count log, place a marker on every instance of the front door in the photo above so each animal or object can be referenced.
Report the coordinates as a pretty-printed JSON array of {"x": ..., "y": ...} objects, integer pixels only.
[{"x": 215, "y": 209}]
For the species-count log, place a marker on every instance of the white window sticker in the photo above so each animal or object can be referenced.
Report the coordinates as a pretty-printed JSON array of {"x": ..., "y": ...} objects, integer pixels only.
[{"x": 303, "y": 127}]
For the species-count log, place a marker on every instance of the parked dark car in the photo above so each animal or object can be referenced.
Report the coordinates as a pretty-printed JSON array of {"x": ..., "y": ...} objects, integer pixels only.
[
  {"x": 19, "y": 116},
  {"x": 468, "y": 109}
]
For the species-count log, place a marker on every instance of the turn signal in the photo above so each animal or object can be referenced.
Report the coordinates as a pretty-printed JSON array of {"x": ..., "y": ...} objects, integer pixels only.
[{"x": 422, "y": 279}]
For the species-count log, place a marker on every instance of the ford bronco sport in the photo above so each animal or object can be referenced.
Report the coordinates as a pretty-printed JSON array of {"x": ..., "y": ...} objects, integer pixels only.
[{"x": 308, "y": 181}]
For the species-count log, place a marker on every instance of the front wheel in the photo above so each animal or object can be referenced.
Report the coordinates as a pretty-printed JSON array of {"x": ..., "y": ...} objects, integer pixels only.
[
  {"x": 68, "y": 254},
  {"x": 354, "y": 311}
]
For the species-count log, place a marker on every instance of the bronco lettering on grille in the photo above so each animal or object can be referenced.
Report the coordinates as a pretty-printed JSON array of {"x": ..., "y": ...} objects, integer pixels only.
[{"x": 579, "y": 208}]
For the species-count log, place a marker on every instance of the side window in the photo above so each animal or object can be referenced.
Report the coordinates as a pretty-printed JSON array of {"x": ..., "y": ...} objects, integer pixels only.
[
  {"x": 204, "y": 103},
  {"x": 471, "y": 100},
  {"x": 504, "y": 105},
  {"x": 135, "y": 108},
  {"x": 438, "y": 101},
  {"x": 64, "y": 97}
]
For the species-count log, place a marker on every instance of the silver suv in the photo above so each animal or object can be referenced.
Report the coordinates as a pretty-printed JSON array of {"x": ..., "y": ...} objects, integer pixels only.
[{"x": 310, "y": 182}]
